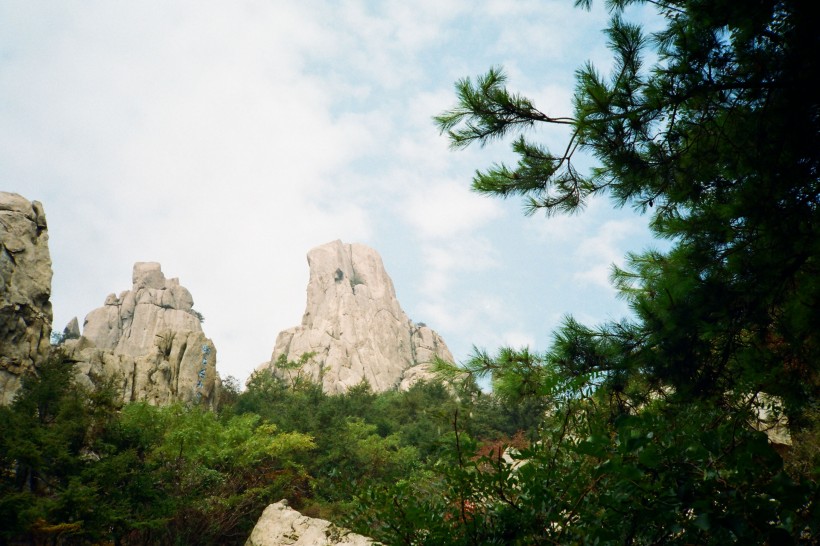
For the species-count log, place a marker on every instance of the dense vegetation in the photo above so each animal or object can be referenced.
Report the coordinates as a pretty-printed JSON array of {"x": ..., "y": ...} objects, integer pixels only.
[
  {"x": 438, "y": 464},
  {"x": 80, "y": 468},
  {"x": 644, "y": 431}
]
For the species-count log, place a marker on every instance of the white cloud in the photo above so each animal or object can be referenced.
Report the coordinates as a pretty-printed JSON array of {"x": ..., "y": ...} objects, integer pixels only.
[
  {"x": 226, "y": 139},
  {"x": 382, "y": 41},
  {"x": 447, "y": 210},
  {"x": 519, "y": 340},
  {"x": 554, "y": 100},
  {"x": 592, "y": 240},
  {"x": 444, "y": 261},
  {"x": 606, "y": 247},
  {"x": 474, "y": 322},
  {"x": 192, "y": 137},
  {"x": 474, "y": 319},
  {"x": 540, "y": 28},
  {"x": 420, "y": 23}
]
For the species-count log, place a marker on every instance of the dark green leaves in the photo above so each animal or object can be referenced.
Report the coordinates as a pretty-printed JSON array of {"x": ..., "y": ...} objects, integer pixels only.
[{"x": 718, "y": 140}]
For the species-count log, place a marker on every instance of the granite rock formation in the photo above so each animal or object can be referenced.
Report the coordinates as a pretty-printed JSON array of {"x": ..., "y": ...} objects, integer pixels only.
[
  {"x": 150, "y": 340},
  {"x": 280, "y": 525},
  {"x": 25, "y": 290},
  {"x": 354, "y": 327}
]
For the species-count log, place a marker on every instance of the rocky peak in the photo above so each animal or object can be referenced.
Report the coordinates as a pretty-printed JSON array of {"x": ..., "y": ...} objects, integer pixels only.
[
  {"x": 25, "y": 289},
  {"x": 129, "y": 324},
  {"x": 354, "y": 326},
  {"x": 151, "y": 339}
]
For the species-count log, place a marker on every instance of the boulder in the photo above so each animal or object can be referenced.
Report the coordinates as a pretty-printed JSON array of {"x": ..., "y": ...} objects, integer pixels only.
[
  {"x": 280, "y": 525},
  {"x": 354, "y": 327},
  {"x": 25, "y": 289},
  {"x": 150, "y": 340}
]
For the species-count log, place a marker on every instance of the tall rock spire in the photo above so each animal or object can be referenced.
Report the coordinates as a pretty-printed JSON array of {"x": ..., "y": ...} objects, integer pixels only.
[{"x": 354, "y": 326}]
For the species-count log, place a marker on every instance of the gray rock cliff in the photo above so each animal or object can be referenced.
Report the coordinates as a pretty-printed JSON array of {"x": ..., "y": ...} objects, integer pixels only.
[
  {"x": 150, "y": 340},
  {"x": 25, "y": 289},
  {"x": 354, "y": 326},
  {"x": 280, "y": 525}
]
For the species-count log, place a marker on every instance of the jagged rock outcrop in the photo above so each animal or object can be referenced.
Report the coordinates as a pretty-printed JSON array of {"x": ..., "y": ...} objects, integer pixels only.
[
  {"x": 25, "y": 289},
  {"x": 354, "y": 326},
  {"x": 280, "y": 525},
  {"x": 72, "y": 329},
  {"x": 151, "y": 341}
]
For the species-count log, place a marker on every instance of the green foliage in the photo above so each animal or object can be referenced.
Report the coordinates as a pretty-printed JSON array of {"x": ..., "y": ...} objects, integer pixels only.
[
  {"x": 293, "y": 370},
  {"x": 364, "y": 439},
  {"x": 718, "y": 141},
  {"x": 218, "y": 472},
  {"x": 669, "y": 474},
  {"x": 228, "y": 392},
  {"x": 77, "y": 468},
  {"x": 646, "y": 434}
]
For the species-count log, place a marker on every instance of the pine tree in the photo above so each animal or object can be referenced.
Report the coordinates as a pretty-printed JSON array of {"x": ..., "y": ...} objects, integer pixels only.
[
  {"x": 649, "y": 438},
  {"x": 718, "y": 142}
]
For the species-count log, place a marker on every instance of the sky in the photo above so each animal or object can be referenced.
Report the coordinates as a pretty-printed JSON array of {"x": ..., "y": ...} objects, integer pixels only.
[{"x": 225, "y": 139}]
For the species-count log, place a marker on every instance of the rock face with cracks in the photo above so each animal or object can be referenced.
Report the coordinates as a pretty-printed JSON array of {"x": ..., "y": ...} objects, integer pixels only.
[
  {"x": 150, "y": 341},
  {"x": 25, "y": 289},
  {"x": 280, "y": 525},
  {"x": 354, "y": 327}
]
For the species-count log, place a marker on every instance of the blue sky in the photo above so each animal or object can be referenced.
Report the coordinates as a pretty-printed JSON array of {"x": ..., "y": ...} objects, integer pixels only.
[{"x": 226, "y": 139}]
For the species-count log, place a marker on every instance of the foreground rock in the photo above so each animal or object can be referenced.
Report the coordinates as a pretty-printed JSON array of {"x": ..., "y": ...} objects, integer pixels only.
[
  {"x": 280, "y": 525},
  {"x": 150, "y": 341},
  {"x": 25, "y": 289},
  {"x": 354, "y": 326}
]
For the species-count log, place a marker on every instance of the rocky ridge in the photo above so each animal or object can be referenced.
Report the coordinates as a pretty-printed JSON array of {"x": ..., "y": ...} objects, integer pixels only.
[
  {"x": 150, "y": 340},
  {"x": 354, "y": 327},
  {"x": 25, "y": 290}
]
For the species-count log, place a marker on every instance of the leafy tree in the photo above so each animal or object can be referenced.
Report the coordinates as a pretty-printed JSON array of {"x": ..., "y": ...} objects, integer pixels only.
[
  {"x": 228, "y": 393},
  {"x": 356, "y": 456},
  {"x": 647, "y": 478},
  {"x": 78, "y": 468},
  {"x": 42, "y": 435},
  {"x": 218, "y": 475},
  {"x": 292, "y": 407},
  {"x": 365, "y": 439}
]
